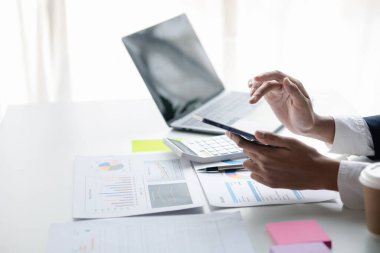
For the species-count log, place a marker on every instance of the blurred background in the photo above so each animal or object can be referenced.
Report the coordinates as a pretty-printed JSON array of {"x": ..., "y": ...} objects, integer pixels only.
[{"x": 71, "y": 50}]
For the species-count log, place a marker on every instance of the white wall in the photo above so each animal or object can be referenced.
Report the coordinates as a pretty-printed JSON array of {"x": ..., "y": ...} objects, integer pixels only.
[
  {"x": 101, "y": 67},
  {"x": 327, "y": 44}
]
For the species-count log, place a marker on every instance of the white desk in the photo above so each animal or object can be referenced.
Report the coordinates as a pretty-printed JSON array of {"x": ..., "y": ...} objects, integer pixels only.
[{"x": 38, "y": 145}]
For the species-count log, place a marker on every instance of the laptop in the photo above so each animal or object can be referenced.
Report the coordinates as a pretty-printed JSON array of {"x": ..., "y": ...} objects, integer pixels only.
[{"x": 183, "y": 82}]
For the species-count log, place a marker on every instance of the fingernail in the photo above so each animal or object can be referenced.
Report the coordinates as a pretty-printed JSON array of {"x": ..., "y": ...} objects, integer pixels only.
[{"x": 260, "y": 134}]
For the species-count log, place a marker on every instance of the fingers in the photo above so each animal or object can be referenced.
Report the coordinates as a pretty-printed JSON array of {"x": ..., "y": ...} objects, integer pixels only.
[
  {"x": 278, "y": 76},
  {"x": 252, "y": 156},
  {"x": 256, "y": 172},
  {"x": 249, "y": 164},
  {"x": 242, "y": 143},
  {"x": 257, "y": 177},
  {"x": 294, "y": 90},
  {"x": 273, "y": 75},
  {"x": 250, "y": 83},
  {"x": 254, "y": 85},
  {"x": 275, "y": 140},
  {"x": 258, "y": 90},
  {"x": 265, "y": 83},
  {"x": 252, "y": 165},
  {"x": 249, "y": 146}
]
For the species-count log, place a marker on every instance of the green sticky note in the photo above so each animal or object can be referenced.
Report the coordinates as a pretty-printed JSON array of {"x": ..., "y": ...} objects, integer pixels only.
[{"x": 148, "y": 145}]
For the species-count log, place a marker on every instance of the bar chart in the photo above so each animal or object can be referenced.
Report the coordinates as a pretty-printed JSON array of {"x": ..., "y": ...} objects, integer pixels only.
[{"x": 115, "y": 193}]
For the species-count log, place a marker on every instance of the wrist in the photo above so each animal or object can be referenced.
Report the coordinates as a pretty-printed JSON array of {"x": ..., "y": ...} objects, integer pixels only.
[
  {"x": 323, "y": 129},
  {"x": 329, "y": 175}
]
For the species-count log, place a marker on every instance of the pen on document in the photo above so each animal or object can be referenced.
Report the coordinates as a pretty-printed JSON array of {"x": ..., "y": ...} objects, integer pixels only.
[{"x": 221, "y": 169}]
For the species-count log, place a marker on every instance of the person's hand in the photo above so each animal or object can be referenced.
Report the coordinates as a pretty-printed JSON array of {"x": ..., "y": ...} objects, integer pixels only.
[
  {"x": 291, "y": 104},
  {"x": 287, "y": 163}
]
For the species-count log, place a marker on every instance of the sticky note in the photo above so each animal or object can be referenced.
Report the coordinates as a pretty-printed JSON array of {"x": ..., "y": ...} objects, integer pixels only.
[
  {"x": 298, "y": 231},
  {"x": 148, "y": 145},
  {"x": 311, "y": 247}
]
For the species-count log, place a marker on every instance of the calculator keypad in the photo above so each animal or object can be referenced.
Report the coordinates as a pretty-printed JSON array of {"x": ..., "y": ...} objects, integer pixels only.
[{"x": 213, "y": 146}]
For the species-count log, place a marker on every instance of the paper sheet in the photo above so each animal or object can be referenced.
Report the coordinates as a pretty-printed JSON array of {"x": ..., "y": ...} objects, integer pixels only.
[
  {"x": 114, "y": 186},
  {"x": 237, "y": 189},
  {"x": 203, "y": 233}
]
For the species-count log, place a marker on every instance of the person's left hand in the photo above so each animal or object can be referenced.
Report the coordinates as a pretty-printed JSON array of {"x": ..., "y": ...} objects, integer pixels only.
[{"x": 287, "y": 163}]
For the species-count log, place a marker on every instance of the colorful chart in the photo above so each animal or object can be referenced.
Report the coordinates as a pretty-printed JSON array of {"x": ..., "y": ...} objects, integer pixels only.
[
  {"x": 110, "y": 193},
  {"x": 233, "y": 174},
  {"x": 238, "y": 175},
  {"x": 237, "y": 162},
  {"x": 110, "y": 166}
]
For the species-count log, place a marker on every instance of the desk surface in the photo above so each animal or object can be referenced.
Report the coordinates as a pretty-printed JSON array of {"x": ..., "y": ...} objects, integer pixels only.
[{"x": 38, "y": 144}]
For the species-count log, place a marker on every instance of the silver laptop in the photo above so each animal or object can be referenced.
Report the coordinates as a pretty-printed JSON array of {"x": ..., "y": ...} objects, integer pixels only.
[{"x": 182, "y": 81}]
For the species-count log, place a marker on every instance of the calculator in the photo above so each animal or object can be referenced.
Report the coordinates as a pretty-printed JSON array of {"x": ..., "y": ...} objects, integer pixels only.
[{"x": 205, "y": 150}]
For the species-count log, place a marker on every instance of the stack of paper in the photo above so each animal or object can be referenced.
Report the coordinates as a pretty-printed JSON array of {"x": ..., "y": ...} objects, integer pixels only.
[
  {"x": 116, "y": 186},
  {"x": 205, "y": 233}
]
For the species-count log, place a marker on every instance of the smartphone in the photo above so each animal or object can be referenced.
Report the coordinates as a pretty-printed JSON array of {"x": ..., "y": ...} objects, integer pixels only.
[{"x": 236, "y": 131}]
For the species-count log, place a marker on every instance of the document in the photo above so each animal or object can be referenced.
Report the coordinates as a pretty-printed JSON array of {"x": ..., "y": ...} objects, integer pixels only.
[
  {"x": 202, "y": 233},
  {"x": 115, "y": 186},
  {"x": 238, "y": 189}
]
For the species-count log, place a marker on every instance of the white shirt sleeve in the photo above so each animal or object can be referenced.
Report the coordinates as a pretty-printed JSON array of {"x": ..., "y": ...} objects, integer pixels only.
[
  {"x": 350, "y": 189},
  {"x": 352, "y": 136}
]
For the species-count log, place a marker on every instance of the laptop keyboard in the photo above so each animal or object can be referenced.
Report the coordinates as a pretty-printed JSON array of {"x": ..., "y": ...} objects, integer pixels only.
[{"x": 226, "y": 110}]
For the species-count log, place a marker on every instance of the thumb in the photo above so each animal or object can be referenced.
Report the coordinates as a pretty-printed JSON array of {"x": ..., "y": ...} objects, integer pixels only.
[
  {"x": 293, "y": 90},
  {"x": 273, "y": 139}
]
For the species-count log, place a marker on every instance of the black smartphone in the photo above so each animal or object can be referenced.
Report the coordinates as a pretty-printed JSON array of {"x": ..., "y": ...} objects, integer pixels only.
[{"x": 241, "y": 133}]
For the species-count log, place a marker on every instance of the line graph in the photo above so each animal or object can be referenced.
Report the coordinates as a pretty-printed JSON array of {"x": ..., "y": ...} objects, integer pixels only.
[{"x": 166, "y": 170}]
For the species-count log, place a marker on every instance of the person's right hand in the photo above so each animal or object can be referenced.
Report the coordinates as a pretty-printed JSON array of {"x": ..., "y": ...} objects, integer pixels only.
[
  {"x": 291, "y": 104},
  {"x": 287, "y": 163}
]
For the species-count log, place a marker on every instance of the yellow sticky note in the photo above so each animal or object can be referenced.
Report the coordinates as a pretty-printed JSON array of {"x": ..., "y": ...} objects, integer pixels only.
[{"x": 148, "y": 145}]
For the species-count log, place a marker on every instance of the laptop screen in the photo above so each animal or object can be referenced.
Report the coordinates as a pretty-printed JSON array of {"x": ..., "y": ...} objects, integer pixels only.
[{"x": 174, "y": 66}]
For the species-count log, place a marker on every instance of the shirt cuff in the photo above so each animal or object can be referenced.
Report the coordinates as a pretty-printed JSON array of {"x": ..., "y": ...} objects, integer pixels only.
[
  {"x": 352, "y": 136},
  {"x": 350, "y": 189}
]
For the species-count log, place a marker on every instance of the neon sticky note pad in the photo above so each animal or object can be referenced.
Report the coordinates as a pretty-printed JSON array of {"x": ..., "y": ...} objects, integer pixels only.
[
  {"x": 299, "y": 231},
  {"x": 148, "y": 145},
  {"x": 311, "y": 247}
]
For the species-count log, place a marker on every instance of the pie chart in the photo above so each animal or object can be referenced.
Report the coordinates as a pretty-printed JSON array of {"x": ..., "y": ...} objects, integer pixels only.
[{"x": 110, "y": 166}]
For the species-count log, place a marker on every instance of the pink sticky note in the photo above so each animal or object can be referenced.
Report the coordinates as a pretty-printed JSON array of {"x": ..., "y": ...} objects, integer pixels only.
[
  {"x": 300, "y": 231},
  {"x": 310, "y": 247}
]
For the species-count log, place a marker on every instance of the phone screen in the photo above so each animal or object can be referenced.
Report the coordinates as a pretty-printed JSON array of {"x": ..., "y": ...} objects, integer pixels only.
[{"x": 241, "y": 133}]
